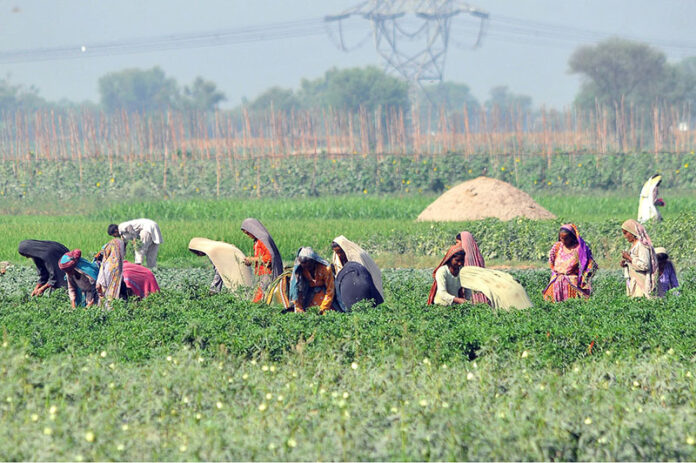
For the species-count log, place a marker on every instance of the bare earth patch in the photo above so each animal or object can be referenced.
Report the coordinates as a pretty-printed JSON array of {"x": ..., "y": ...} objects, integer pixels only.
[{"x": 481, "y": 198}]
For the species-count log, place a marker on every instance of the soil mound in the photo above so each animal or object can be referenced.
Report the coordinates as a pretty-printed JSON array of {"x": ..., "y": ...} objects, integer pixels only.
[{"x": 481, "y": 198}]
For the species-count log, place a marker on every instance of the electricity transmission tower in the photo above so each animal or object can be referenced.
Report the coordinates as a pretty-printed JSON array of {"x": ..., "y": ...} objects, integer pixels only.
[{"x": 411, "y": 35}]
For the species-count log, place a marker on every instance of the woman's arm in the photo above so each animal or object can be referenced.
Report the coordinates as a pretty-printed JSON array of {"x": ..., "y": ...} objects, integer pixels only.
[
  {"x": 442, "y": 293},
  {"x": 71, "y": 291},
  {"x": 641, "y": 259},
  {"x": 552, "y": 255},
  {"x": 330, "y": 289}
]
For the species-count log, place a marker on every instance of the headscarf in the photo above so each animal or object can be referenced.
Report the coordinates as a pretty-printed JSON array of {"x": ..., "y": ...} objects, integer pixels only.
[
  {"x": 661, "y": 250},
  {"x": 638, "y": 230},
  {"x": 473, "y": 254},
  {"x": 355, "y": 253},
  {"x": 354, "y": 283},
  {"x": 450, "y": 252},
  {"x": 73, "y": 260},
  {"x": 584, "y": 252},
  {"x": 139, "y": 279},
  {"x": 259, "y": 232},
  {"x": 69, "y": 260},
  {"x": 48, "y": 252},
  {"x": 227, "y": 260},
  {"x": 296, "y": 285}
]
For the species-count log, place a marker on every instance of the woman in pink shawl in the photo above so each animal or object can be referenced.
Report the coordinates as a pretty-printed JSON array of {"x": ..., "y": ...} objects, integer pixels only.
[
  {"x": 139, "y": 280},
  {"x": 639, "y": 262},
  {"x": 572, "y": 266},
  {"x": 473, "y": 259}
]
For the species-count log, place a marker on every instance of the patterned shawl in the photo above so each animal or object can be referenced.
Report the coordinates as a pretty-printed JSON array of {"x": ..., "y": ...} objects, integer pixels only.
[
  {"x": 297, "y": 284},
  {"x": 584, "y": 252},
  {"x": 111, "y": 269}
]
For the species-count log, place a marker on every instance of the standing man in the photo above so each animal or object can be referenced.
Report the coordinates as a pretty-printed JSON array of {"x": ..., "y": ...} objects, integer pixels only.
[{"x": 148, "y": 233}]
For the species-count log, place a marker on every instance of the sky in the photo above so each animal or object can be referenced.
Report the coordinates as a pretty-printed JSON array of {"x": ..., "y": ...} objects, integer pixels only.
[{"x": 245, "y": 47}]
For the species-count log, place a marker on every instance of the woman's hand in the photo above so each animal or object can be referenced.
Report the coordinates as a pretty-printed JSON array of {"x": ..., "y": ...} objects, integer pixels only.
[
  {"x": 459, "y": 300},
  {"x": 40, "y": 290},
  {"x": 626, "y": 256}
]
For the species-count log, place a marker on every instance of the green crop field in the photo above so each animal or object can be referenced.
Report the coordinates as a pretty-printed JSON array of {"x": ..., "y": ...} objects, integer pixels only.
[
  {"x": 184, "y": 375},
  {"x": 187, "y": 376}
]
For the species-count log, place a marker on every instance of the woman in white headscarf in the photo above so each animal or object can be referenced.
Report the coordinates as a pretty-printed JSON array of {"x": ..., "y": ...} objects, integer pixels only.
[
  {"x": 647, "y": 206},
  {"x": 639, "y": 262},
  {"x": 345, "y": 251}
]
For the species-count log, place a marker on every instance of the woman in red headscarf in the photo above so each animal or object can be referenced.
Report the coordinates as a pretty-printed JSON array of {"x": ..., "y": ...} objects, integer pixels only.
[
  {"x": 572, "y": 266},
  {"x": 447, "y": 288}
]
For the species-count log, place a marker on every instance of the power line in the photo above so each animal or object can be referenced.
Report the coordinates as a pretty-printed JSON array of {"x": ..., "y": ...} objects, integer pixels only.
[
  {"x": 500, "y": 29},
  {"x": 267, "y": 32}
]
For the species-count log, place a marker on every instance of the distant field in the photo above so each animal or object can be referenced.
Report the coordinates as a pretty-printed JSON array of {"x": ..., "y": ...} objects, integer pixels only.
[{"x": 384, "y": 225}]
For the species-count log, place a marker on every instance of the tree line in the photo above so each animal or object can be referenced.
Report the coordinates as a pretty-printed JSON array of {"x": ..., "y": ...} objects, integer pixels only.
[{"x": 614, "y": 73}]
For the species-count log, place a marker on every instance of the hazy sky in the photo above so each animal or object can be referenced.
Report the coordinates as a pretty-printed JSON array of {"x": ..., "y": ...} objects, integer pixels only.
[{"x": 526, "y": 46}]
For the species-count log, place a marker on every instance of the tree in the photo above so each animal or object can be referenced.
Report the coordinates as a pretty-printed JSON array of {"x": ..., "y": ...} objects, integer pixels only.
[
  {"x": 683, "y": 89},
  {"x": 353, "y": 88},
  {"x": 506, "y": 101},
  {"x": 138, "y": 90},
  {"x": 281, "y": 99},
  {"x": 452, "y": 96},
  {"x": 617, "y": 69},
  {"x": 16, "y": 97},
  {"x": 202, "y": 95}
]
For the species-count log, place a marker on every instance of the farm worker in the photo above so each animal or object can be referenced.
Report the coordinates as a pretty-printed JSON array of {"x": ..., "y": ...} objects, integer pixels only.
[
  {"x": 668, "y": 275},
  {"x": 148, "y": 233},
  {"x": 111, "y": 269},
  {"x": 473, "y": 259},
  {"x": 312, "y": 282},
  {"x": 228, "y": 262},
  {"x": 353, "y": 284},
  {"x": 82, "y": 278},
  {"x": 138, "y": 281},
  {"x": 647, "y": 209},
  {"x": 268, "y": 265},
  {"x": 345, "y": 251},
  {"x": 572, "y": 266},
  {"x": 447, "y": 288},
  {"x": 45, "y": 255},
  {"x": 640, "y": 262}
]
